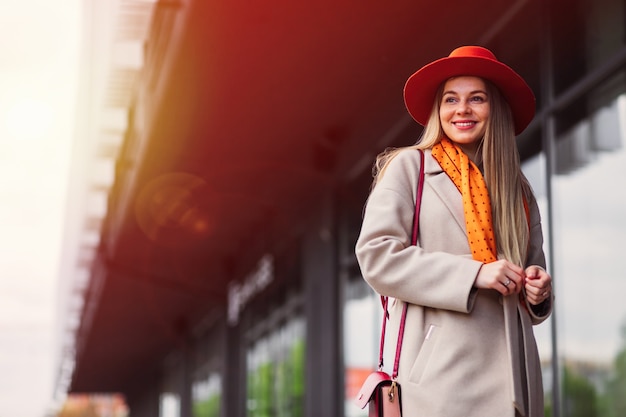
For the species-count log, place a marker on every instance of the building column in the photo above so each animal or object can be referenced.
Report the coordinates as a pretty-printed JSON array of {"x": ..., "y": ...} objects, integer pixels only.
[
  {"x": 324, "y": 368},
  {"x": 234, "y": 374},
  {"x": 186, "y": 401},
  {"x": 146, "y": 402}
]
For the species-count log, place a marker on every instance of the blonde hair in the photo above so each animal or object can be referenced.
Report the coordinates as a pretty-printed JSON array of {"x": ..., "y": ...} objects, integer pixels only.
[{"x": 507, "y": 185}]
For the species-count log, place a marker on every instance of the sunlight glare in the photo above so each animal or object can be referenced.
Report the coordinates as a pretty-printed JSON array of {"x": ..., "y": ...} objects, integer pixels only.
[{"x": 28, "y": 119}]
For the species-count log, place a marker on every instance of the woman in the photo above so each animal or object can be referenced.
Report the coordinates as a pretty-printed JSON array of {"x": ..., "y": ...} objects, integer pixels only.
[{"x": 475, "y": 283}]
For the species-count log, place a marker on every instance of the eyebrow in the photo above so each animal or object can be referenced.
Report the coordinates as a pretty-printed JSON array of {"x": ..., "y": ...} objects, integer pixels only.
[{"x": 471, "y": 92}]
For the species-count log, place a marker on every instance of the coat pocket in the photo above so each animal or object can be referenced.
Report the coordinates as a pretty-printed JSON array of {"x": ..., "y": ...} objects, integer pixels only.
[{"x": 423, "y": 357}]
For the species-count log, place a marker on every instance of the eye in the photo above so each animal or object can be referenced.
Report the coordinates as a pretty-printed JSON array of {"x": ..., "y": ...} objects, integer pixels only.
[
  {"x": 450, "y": 99},
  {"x": 478, "y": 99}
]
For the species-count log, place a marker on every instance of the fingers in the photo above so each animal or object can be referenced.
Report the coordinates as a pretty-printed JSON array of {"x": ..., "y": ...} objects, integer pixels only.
[
  {"x": 538, "y": 285},
  {"x": 512, "y": 279},
  {"x": 538, "y": 294},
  {"x": 502, "y": 276},
  {"x": 511, "y": 285},
  {"x": 536, "y": 272},
  {"x": 508, "y": 278},
  {"x": 538, "y": 298}
]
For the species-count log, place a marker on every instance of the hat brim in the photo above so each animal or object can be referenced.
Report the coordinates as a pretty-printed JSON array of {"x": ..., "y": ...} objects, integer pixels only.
[{"x": 421, "y": 87}]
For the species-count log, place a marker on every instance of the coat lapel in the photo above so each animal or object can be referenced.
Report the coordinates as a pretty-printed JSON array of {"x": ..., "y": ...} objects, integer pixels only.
[{"x": 443, "y": 186}]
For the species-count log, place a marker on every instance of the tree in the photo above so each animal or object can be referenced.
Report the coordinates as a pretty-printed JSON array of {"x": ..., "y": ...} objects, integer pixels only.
[
  {"x": 579, "y": 396},
  {"x": 616, "y": 388}
]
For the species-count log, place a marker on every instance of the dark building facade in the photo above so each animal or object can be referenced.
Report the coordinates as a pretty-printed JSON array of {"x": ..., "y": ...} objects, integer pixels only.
[{"x": 222, "y": 280}]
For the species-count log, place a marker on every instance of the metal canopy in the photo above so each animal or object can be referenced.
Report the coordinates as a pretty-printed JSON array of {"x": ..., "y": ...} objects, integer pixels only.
[{"x": 246, "y": 115}]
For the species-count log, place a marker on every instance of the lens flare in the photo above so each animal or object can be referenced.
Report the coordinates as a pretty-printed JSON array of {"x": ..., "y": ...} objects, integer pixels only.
[{"x": 172, "y": 209}]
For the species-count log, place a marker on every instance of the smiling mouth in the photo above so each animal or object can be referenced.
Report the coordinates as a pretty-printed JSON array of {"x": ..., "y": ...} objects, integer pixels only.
[{"x": 464, "y": 124}]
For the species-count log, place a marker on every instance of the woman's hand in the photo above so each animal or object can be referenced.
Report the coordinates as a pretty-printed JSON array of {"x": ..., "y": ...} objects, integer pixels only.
[
  {"x": 538, "y": 284},
  {"x": 502, "y": 276}
]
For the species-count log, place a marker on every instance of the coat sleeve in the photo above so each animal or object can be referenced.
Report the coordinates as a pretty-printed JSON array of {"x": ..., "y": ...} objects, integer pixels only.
[
  {"x": 395, "y": 268},
  {"x": 536, "y": 256}
]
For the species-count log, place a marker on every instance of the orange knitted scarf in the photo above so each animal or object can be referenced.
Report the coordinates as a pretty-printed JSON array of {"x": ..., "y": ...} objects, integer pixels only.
[{"x": 476, "y": 204}]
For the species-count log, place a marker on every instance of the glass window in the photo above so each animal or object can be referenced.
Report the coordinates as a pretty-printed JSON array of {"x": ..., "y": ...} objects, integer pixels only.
[
  {"x": 208, "y": 363},
  {"x": 589, "y": 228},
  {"x": 169, "y": 405},
  {"x": 534, "y": 169},
  {"x": 206, "y": 396},
  {"x": 362, "y": 314},
  {"x": 275, "y": 368},
  {"x": 171, "y": 386}
]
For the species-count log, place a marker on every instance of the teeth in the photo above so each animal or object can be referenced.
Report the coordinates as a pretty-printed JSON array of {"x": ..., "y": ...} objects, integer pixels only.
[{"x": 464, "y": 124}]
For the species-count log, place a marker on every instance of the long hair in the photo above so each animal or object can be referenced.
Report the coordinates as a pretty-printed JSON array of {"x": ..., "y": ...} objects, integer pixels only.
[
  {"x": 507, "y": 185},
  {"x": 431, "y": 135}
]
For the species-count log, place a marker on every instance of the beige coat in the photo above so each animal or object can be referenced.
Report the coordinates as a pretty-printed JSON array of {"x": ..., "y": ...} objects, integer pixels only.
[{"x": 464, "y": 349}]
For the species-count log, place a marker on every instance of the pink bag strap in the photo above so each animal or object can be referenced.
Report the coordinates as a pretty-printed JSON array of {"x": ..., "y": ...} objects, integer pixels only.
[{"x": 384, "y": 299}]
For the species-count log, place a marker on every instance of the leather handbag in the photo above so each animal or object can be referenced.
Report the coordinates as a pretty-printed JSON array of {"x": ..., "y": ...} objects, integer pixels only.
[{"x": 381, "y": 390}]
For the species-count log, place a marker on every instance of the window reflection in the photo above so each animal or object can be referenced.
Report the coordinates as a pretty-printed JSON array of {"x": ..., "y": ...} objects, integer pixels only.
[
  {"x": 206, "y": 395},
  {"x": 275, "y": 365},
  {"x": 589, "y": 227}
]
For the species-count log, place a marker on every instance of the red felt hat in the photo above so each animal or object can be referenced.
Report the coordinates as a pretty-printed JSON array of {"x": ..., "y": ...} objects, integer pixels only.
[{"x": 421, "y": 87}]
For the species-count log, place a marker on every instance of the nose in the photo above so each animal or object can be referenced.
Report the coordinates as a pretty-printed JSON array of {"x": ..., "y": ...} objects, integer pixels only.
[{"x": 463, "y": 107}]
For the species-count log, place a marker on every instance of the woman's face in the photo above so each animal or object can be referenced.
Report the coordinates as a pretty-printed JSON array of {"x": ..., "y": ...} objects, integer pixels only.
[{"x": 464, "y": 111}]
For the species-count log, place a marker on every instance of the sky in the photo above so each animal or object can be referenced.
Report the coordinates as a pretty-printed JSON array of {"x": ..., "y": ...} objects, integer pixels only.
[{"x": 39, "y": 47}]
